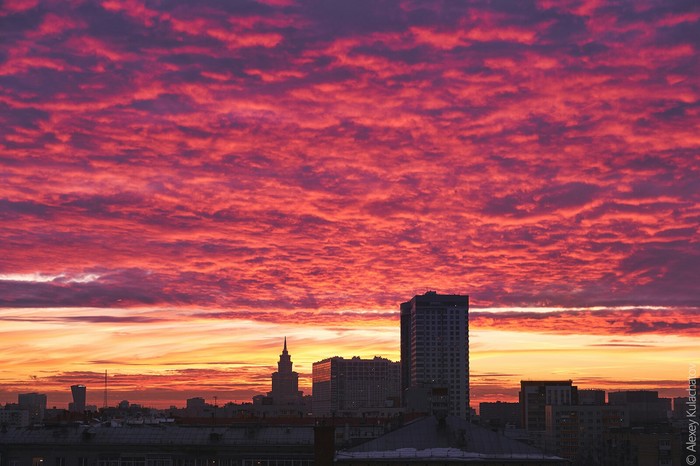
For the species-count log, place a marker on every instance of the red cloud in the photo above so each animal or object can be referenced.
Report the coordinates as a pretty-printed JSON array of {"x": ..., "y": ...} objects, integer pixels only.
[{"x": 596, "y": 322}]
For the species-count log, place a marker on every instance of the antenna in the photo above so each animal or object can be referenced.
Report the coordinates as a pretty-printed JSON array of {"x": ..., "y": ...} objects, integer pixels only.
[{"x": 105, "y": 401}]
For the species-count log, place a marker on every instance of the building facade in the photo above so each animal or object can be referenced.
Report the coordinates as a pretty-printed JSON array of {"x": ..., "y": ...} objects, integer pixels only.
[
  {"x": 644, "y": 406},
  {"x": 577, "y": 432},
  {"x": 13, "y": 418},
  {"x": 34, "y": 404},
  {"x": 651, "y": 445},
  {"x": 350, "y": 387},
  {"x": 590, "y": 396},
  {"x": 536, "y": 395},
  {"x": 435, "y": 348}
]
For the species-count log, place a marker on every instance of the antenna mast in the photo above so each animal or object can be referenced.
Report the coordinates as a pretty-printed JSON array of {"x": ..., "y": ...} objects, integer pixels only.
[{"x": 105, "y": 401}]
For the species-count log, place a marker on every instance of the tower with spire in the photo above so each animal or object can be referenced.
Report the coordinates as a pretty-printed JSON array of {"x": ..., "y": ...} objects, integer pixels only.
[{"x": 285, "y": 382}]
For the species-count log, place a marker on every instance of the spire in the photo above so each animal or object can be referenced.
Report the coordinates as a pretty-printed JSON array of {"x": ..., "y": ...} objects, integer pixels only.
[{"x": 284, "y": 366}]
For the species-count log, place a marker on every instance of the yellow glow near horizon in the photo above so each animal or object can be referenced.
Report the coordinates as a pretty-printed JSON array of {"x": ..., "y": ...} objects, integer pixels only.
[{"x": 153, "y": 348}]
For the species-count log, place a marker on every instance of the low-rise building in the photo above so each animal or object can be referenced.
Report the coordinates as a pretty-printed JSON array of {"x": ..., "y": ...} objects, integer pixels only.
[
  {"x": 577, "y": 432},
  {"x": 499, "y": 415},
  {"x": 13, "y": 418},
  {"x": 644, "y": 406},
  {"x": 651, "y": 445}
]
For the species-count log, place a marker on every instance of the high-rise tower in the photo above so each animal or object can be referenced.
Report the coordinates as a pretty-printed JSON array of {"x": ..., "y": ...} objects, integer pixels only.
[
  {"x": 285, "y": 382},
  {"x": 79, "y": 397},
  {"x": 435, "y": 349}
]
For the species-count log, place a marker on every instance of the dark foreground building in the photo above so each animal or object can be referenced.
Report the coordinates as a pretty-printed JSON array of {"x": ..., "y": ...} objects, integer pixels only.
[
  {"x": 452, "y": 441},
  {"x": 158, "y": 445},
  {"x": 426, "y": 440}
]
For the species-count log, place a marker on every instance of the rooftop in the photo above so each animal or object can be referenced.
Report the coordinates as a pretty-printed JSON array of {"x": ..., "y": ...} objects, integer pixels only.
[{"x": 455, "y": 438}]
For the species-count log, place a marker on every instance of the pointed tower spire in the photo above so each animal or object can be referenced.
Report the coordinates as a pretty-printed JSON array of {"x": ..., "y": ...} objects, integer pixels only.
[
  {"x": 284, "y": 366},
  {"x": 285, "y": 382}
]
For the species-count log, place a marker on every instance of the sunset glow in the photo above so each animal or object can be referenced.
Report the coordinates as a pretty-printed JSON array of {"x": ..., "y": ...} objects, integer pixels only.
[{"x": 182, "y": 184}]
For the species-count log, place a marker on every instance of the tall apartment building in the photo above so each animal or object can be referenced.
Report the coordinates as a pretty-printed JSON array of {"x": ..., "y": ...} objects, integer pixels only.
[
  {"x": 347, "y": 387},
  {"x": 435, "y": 348}
]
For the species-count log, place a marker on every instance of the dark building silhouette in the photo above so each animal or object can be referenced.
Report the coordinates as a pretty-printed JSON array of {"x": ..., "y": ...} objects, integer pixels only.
[
  {"x": 285, "y": 382},
  {"x": 589, "y": 396},
  {"x": 650, "y": 445},
  {"x": 449, "y": 441},
  {"x": 159, "y": 445},
  {"x": 79, "y": 397},
  {"x": 577, "y": 432},
  {"x": 13, "y": 417},
  {"x": 435, "y": 351},
  {"x": 196, "y": 407},
  {"x": 499, "y": 414},
  {"x": 680, "y": 407},
  {"x": 35, "y": 404},
  {"x": 644, "y": 406},
  {"x": 535, "y": 396}
]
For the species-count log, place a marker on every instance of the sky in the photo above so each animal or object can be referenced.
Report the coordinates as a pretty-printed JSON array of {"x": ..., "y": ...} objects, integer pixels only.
[{"x": 182, "y": 184}]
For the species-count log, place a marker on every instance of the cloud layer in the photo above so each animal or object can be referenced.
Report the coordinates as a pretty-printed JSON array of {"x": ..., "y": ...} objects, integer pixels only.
[
  {"x": 321, "y": 155},
  {"x": 295, "y": 161}
]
